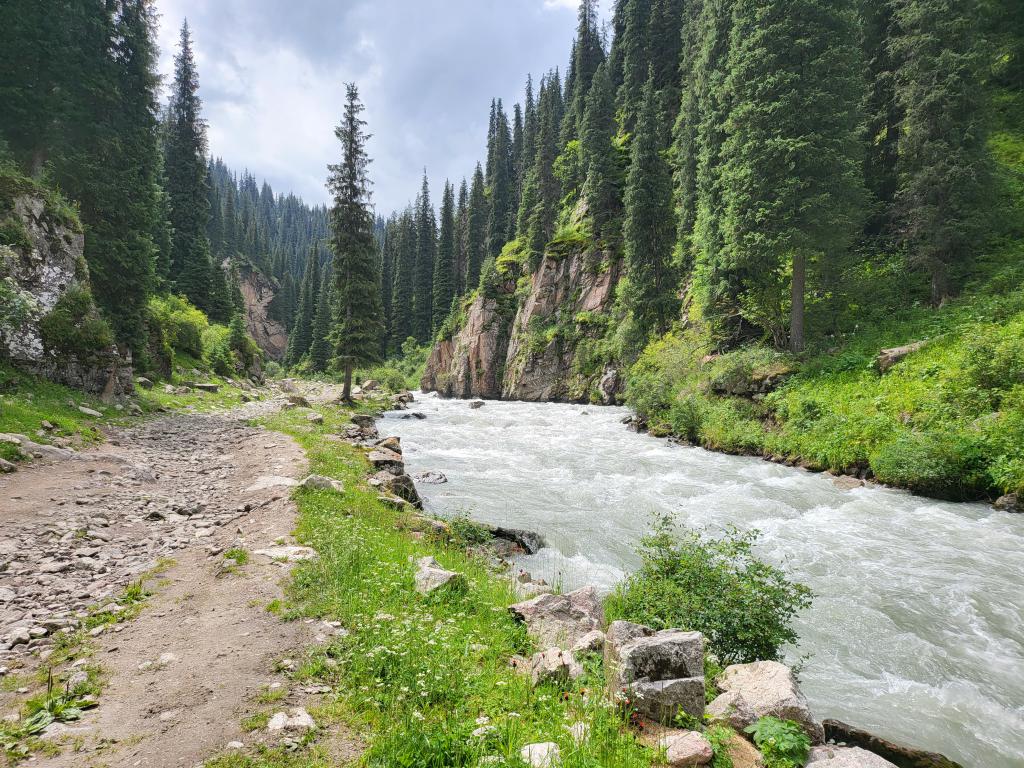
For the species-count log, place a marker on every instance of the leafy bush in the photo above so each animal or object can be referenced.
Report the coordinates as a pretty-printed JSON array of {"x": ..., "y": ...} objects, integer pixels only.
[
  {"x": 74, "y": 325},
  {"x": 949, "y": 465},
  {"x": 783, "y": 743},
  {"x": 720, "y": 738},
  {"x": 182, "y": 323},
  {"x": 217, "y": 352},
  {"x": 744, "y": 607},
  {"x": 14, "y": 234},
  {"x": 400, "y": 373},
  {"x": 995, "y": 355}
]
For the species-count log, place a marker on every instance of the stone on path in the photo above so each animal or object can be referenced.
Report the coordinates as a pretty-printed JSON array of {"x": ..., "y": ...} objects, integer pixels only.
[
  {"x": 264, "y": 482},
  {"x": 846, "y": 757},
  {"x": 769, "y": 689},
  {"x": 287, "y": 552},
  {"x": 430, "y": 576},
  {"x": 686, "y": 748},
  {"x": 561, "y": 619},
  {"x": 542, "y": 755},
  {"x": 296, "y": 719}
]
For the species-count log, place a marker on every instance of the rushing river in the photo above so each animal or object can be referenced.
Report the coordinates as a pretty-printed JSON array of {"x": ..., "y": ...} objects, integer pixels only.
[{"x": 917, "y": 627}]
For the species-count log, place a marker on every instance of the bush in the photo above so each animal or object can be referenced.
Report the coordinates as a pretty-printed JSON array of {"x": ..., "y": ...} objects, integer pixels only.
[
  {"x": 743, "y": 606},
  {"x": 783, "y": 743},
  {"x": 183, "y": 325},
  {"x": 945, "y": 465},
  {"x": 217, "y": 352},
  {"x": 74, "y": 325}
]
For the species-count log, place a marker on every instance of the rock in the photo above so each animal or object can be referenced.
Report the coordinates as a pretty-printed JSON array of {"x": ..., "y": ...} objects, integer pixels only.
[
  {"x": 363, "y": 421},
  {"x": 383, "y": 458},
  {"x": 731, "y": 709},
  {"x": 661, "y": 673},
  {"x": 744, "y": 754},
  {"x": 686, "y": 748},
  {"x": 401, "y": 486},
  {"x": 561, "y": 619},
  {"x": 609, "y": 386},
  {"x": 299, "y": 401},
  {"x": 212, "y": 388},
  {"x": 391, "y": 443},
  {"x": 90, "y": 412},
  {"x": 554, "y": 665},
  {"x": 845, "y": 757},
  {"x": 529, "y": 541},
  {"x": 7, "y": 467},
  {"x": 476, "y": 404},
  {"x": 142, "y": 381},
  {"x": 887, "y": 358},
  {"x": 592, "y": 642},
  {"x": 394, "y": 502},
  {"x": 287, "y": 553},
  {"x": 263, "y": 482},
  {"x": 902, "y": 756},
  {"x": 321, "y": 483},
  {"x": 315, "y": 418},
  {"x": 768, "y": 688},
  {"x": 430, "y": 576},
  {"x": 579, "y": 732},
  {"x": 18, "y": 636},
  {"x": 542, "y": 755},
  {"x": 430, "y": 477},
  {"x": 296, "y": 719},
  {"x": 370, "y": 385},
  {"x": 1009, "y": 503}
]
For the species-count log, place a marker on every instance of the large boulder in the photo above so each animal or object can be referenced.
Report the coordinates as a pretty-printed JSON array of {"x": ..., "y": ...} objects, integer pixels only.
[
  {"x": 686, "y": 748},
  {"x": 561, "y": 620},
  {"x": 846, "y": 757},
  {"x": 661, "y": 673},
  {"x": 769, "y": 689},
  {"x": 839, "y": 732},
  {"x": 431, "y": 577}
]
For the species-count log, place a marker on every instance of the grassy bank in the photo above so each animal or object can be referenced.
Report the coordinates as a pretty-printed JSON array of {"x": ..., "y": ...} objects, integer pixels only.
[{"x": 418, "y": 675}]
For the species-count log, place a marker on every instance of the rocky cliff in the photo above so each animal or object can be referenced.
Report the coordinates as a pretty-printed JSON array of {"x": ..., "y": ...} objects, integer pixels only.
[
  {"x": 48, "y": 322},
  {"x": 533, "y": 335},
  {"x": 269, "y": 334}
]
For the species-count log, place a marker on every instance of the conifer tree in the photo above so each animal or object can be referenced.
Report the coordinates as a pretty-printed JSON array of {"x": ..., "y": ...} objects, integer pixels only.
[
  {"x": 321, "y": 348},
  {"x": 500, "y": 183},
  {"x": 797, "y": 81},
  {"x": 426, "y": 255},
  {"x": 634, "y": 48},
  {"x": 403, "y": 290},
  {"x": 476, "y": 236},
  {"x": 525, "y": 160},
  {"x": 186, "y": 180},
  {"x": 600, "y": 157},
  {"x": 587, "y": 56},
  {"x": 444, "y": 270},
  {"x": 388, "y": 262},
  {"x": 943, "y": 162},
  {"x": 461, "y": 238},
  {"x": 301, "y": 336},
  {"x": 359, "y": 324},
  {"x": 665, "y": 40},
  {"x": 648, "y": 231},
  {"x": 517, "y": 153},
  {"x": 542, "y": 192},
  {"x": 685, "y": 131},
  {"x": 882, "y": 111}
]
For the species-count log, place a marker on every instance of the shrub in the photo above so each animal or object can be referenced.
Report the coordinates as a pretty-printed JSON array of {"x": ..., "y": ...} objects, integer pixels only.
[
  {"x": 995, "y": 355},
  {"x": 783, "y": 743},
  {"x": 273, "y": 370},
  {"x": 74, "y": 325},
  {"x": 182, "y": 323},
  {"x": 744, "y": 607},
  {"x": 946, "y": 465},
  {"x": 389, "y": 376},
  {"x": 217, "y": 351}
]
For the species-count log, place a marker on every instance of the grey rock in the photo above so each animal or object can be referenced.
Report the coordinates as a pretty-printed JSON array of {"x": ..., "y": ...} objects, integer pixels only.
[
  {"x": 846, "y": 757},
  {"x": 541, "y": 755},
  {"x": 768, "y": 688},
  {"x": 321, "y": 483},
  {"x": 686, "y": 748},
  {"x": 554, "y": 665},
  {"x": 1009, "y": 503},
  {"x": 430, "y": 576},
  {"x": 731, "y": 709},
  {"x": 561, "y": 620}
]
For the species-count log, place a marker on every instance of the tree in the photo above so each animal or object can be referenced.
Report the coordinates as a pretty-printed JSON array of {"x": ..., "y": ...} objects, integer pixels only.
[
  {"x": 601, "y": 165},
  {"x": 882, "y": 112},
  {"x": 461, "y": 238},
  {"x": 301, "y": 336},
  {"x": 542, "y": 192},
  {"x": 648, "y": 232},
  {"x": 356, "y": 283},
  {"x": 186, "y": 180},
  {"x": 388, "y": 264},
  {"x": 588, "y": 55},
  {"x": 444, "y": 270},
  {"x": 405, "y": 274},
  {"x": 797, "y": 83},
  {"x": 476, "y": 236},
  {"x": 634, "y": 47},
  {"x": 426, "y": 255},
  {"x": 321, "y": 349},
  {"x": 943, "y": 162},
  {"x": 500, "y": 183}
]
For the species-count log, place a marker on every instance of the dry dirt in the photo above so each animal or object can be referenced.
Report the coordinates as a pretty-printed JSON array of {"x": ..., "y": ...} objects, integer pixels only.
[{"x": 177, "y": 491}]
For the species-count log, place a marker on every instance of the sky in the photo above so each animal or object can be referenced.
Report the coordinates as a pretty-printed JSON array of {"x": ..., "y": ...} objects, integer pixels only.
[{"x": 272, "y": 74}]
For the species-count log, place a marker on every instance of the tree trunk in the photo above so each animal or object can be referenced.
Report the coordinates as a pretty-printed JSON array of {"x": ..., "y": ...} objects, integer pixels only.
[
  {"x": 940, "y": 285},
  {"x": 796, "y": 315},
  {"x": 346, "y": 393}
]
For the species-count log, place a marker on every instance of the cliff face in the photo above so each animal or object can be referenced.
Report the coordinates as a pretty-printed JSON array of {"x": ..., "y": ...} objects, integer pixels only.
[
  {"x": 269, "y": 334},
  {"x": 536, "y": 340}
]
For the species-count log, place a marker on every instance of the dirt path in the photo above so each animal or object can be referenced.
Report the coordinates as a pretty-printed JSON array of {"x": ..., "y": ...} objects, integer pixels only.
[{"x": 176, "y": 491}]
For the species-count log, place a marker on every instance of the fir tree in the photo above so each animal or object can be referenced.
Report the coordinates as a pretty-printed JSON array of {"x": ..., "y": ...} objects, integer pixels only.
[
  {"x": 542, "y": 192},
  {"x": 648, "y": 231},
  {"x": 426, "y": 255},
  {"x": 444, "y": 270},
  {"x": 301, "y": 336},
  {"x": 882, "y": 111},
  {"x": 476, "y": 235},
  {"x": 461, "y": 239},
  {"x": 185, "y": 172},
  {"x": 796, "y": 77},
  {"x": 634, "y": 45},
  {"x": 357, "y": 287},
  {"x": 600, "y": 156},
  {"x": 500, "y": 183},
  {"x": 388, "y": 263},
  {"x": 943, "y": 162},
  {"x": 403, "y": 287},
  {"x": 320, "y": 349},
  {"x": 587, "y": 56}
]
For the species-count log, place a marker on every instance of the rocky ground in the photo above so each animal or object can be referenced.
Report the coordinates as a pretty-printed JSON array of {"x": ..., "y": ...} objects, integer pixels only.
[{"x": 162, "y": 502}]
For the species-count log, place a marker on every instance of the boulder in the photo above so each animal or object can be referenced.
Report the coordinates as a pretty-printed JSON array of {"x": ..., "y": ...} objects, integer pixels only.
[
  {"x": 1009, "y": 503},
  {"x": 744, "y": 754},
  {"x": 370, "y": 385},
  {"x": 213, "y": 388},
  {"x": 769, "y": 689},
  {"x": 686, "y": 748},
  {"x": 529, "y": 541},
  {"x": 430, "y": 576},
  {"x": 541, "y": 755},
  {"x": 592, "y": 642},
  {"x": 298, "y": 401},
  {"x": 561, "y": 619},
  {"x": 391, "y": 443},
  {"x": 731, "y": 709},
  {"x": 143, "y": 382},
  {"x": 431, "y": 477},
  {"x": 315, "y": 418},
  {"x": 476, "y": 404},
  {"x": 363, "y": 421},
  {"x": 664, "y": 700},
  {"x": 845, "y": 757},
  {"x": 887, "y": 358},
  {"x": 321, "y": 483},
  {"x": 401, "y": 486},
  {"x": 554, "y": 665},
  {"x": 839, "y": 732},
  {"x": 382, "y": 458}
]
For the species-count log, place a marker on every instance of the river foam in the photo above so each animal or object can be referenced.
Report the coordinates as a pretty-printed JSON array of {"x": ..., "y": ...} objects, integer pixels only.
[{"x": 917, "y": 627}]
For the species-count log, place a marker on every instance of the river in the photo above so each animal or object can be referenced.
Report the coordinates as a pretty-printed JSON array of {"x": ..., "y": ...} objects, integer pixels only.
[{"x": 917, "y": 628}]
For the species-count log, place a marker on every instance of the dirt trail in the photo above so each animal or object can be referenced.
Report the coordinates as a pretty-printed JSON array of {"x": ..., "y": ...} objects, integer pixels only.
[{"x": 184, "y": 488}]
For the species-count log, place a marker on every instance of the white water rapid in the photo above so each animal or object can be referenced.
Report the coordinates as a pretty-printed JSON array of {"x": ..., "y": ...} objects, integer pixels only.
[{"x": 917, "y": 627}]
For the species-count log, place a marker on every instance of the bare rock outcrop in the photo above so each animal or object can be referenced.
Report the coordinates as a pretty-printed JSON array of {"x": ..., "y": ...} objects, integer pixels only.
[{"x": 257, "y": 293}]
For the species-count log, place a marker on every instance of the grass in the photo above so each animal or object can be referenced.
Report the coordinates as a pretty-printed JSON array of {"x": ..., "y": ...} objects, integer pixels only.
[{"x": 417, "y": 675}]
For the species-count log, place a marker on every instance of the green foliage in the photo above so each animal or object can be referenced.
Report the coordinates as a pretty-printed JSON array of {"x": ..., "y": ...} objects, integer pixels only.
[
  {"x": 569, "y": 239},
  {"x": 182, "y": 324},
  {"x": 465, "y": 532},
  {"x": 743, "y": 606},
  {"x": 74, "y": 325},
  {"x": 783, "y": 743},
  {"x": 403, "y": 372},
  {"x": 720, "y": 739},
  {"x": 14, "y": 234},
  {"x": 228, "y": 350}
]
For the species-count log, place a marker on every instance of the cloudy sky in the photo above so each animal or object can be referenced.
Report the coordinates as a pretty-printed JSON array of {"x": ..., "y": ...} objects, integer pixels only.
[{"x": 272, "y": 74}]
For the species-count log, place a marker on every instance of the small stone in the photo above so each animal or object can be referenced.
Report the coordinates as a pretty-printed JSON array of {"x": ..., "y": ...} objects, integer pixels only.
[
  {"x": 7, "y": 467},
  {"x": 296, "y": 719},
  {"x": 430, "y": 576},
  {"x": 235, "y": 745},
  {"x": 686, "y": 748},
  {"x": 542, "y": 755},
  {"x": 554, "y": 665},
  {"x": 286, "y": 553},
  {"x": 321, "y": 483},
  {"x": 592, "y": 642},
  {"x": 90, "y": 412},
  {"x": 315, "y": 418}
]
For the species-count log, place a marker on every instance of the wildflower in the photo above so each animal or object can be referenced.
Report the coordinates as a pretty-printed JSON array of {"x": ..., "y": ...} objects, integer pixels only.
[{"x": 483, "y": 720}]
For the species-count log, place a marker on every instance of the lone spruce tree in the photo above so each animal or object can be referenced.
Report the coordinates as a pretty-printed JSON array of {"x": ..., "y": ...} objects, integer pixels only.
[{"x": 359, "y": 322}]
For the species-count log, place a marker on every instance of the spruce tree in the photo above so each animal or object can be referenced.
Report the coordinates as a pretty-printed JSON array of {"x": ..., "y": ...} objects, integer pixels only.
[
  {"x": 529, "y": 150},
  {"x": 634, "y": 46},
  {"x": 500, "y": 183},
  {"x": 601, "y": 164},
  {"x": 388, "y": 263},
  {"x": 797, "y": 83},
  {"x": 186, "y": 180},
  {"x": 444, "y": 270},
  {"x": 587, "y": 56},
  {"x": 476, "y": 236},
  {"x": 542, "y": 191},
  {"x": 648, "y": 232},
  {"x": 356, "y": 282},
  {"x": 461, "y": 238},
  {"x": 426, "y": 255},
  {"x": 301, "y": 336},
  {"x": 403, "y": 287},
  {"x": 943, "y": 160},
  {"x": 321, "y": 348},
  {"x": 882, "y": 111}
]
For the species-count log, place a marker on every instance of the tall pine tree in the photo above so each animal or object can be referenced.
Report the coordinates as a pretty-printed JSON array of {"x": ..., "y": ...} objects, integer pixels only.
[
  {"x": 602, "y": 187},
  {"x": 426, "y": 255},
  {"x": 444, "y": 269},
  {"x": 301, "y": 337},
  {"x": 403, "y": 290},
  {"x": 476, "y": 235}
]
